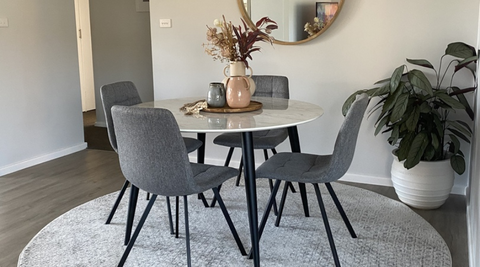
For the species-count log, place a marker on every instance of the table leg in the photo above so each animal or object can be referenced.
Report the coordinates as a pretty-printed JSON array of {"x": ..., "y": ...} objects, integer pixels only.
[
  {"x": 201, "y": 159},
  {"x": 295, "y": 146},
  {"x": 251, "y": 192},
  {"x": 201, "y": 150}
]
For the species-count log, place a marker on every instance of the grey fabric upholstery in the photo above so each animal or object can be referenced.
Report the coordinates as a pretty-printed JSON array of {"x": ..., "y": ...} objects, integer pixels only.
[
  {"x": 125, "y": 94},
  {"x": 266, "y": 86},
  {"x": 308, "y": 168},
  {"x": 315, "y": 169},
  {"x": 119, "y": 93},
  {"x": 261, "y": 140},
  {"x": 153, "y": 157},
  {"x": 271, "y": 86}
]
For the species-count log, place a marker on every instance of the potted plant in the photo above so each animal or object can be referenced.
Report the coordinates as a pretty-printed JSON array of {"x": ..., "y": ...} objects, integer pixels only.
[{"x": 417, "y": 116}]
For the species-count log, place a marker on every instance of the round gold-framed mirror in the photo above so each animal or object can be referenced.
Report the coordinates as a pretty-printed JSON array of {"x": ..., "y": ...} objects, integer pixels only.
[{"x": 292, "y": 17}]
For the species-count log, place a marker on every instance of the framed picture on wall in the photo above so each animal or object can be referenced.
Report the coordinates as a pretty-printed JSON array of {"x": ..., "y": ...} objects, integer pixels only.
[
  {"x": 142, "y": 5},
  {"x": 326, "y": 11}
]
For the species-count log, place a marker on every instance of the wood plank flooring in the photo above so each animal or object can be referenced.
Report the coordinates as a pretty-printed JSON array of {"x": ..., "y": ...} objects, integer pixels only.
[{"x": 31, "y": 198}]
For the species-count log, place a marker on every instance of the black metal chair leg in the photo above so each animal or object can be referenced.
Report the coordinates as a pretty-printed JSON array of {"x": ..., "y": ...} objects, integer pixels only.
[
  {"x": 303, "y": 194},
  {"x": 176, "y": 215},
  {"x": 229, "y": 157},
  {"x": 327, "y": 225},
  {"x": 187, "y": 232},
  {"x": 170, "y": 221},
  {"x": 137, "y": 231},
  {"x": 240, "y": 168},
  {"x": 292, "y": 188},
  {"x": 266, "y": 213},
  {"x": 275, "y": 209},
  {"x": 132, "y": 205},
  {"x": 229, "y": 221},
  {"x": 117, "y": 202},
  {"x": 227, "y": 162},
  {"x": 340, "y": 209},
  {"x": 214, "y": 200},
  {"x": 204, "y": 200},
  {"x": 282, "y": 204}
]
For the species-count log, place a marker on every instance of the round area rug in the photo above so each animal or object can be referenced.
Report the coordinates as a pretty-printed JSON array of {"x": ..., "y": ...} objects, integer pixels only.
[{"x": 389, "y": 234}]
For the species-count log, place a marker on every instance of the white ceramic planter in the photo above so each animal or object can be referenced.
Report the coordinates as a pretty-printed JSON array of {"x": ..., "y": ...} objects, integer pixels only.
[{"x": 425, "y": 186}]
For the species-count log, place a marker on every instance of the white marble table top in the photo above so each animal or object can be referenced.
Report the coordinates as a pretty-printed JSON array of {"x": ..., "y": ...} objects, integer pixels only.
[{"x": 275, "y": 113}]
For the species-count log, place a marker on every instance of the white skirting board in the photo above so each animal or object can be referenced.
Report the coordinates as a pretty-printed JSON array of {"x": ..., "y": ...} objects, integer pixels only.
[
  {"x": 41, "y": 159},
  {"x": 349, "y": 177}
]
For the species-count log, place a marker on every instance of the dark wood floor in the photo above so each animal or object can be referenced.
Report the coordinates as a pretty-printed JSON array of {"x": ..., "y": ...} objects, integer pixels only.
[{"x": 33, "y": 197}]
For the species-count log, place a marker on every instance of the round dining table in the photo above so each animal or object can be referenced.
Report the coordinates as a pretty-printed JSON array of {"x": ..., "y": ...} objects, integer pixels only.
[{"x": 274, "y": 113}]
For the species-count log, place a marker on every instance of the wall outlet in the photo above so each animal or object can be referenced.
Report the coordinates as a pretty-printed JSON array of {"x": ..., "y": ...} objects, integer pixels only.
[
  {"x": 165, "y": 23},
  {"x": 3, "y": 22}
]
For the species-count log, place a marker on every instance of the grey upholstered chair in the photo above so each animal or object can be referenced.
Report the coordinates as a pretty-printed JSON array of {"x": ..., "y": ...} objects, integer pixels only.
[
  {"x": 315, "y": 169},
  {"x": 266, "y": 86},
  {"x": 153, "y": 157},
  {"x": 125, "y": 93}
]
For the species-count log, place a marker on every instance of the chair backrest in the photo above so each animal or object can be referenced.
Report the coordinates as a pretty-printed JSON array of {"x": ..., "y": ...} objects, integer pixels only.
[
  {"x": 151, "y": 151},
  {"x": 271, "y": 86},
  {"x": 119, "y": 93},
  {"x": 347, "y": 138}
]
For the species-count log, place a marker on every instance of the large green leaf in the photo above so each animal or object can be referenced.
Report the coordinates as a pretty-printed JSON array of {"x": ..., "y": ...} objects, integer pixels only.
[
  {"x": 455, "y": 144},
  {"x": 396, "y": 77},
  {"x": 452, "y": 102},
  {"x": 465, "y": 63},
  {"x": 380, "y": 124},
  {"x": 465, "y": 125},
  {"x": 413, "y": 119},
  {"x": 463, "y": 100},
  {"x": 438, "y": 123},
  {"x": 458, "y": 164},
  {"x": 391, "y": 100},
  {"x": 425, "y": 108},
  {"x": 399, "y": 108},
  {"x": 419, "y": 80},
  {"x": 435, "y": 141},
  {"x": 459, "y": 134},
  {"x": 419, "y": 143},
  {"x": 384, "y": 89},
  {"x": 421, "y": 62},
  {"x": 394, "y": 136},
  {"x": 460, "y": 50},
  {"x": 466, "y": 131},
  {"x": 348, "y": 103},
  {"x": 429, "y": 153},
  {"x": 404, "y": 146}
]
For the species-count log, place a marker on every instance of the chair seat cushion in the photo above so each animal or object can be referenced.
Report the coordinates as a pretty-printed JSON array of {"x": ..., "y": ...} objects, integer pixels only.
[
  {"x": 192, "y": 144},
  {"x": 296, "y": 167},
  {"x": 209, "y": 176},
  {"x": 261, "y": 139}
]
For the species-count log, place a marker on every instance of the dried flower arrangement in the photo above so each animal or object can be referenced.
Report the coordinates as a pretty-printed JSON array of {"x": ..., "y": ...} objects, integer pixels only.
[
  {"x": 317, "y": 26},
  {"x": 236, "y": 43}
]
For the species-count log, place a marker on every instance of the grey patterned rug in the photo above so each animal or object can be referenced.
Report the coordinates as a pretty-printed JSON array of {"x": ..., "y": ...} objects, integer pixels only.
[{"x": 389, "y": 234}]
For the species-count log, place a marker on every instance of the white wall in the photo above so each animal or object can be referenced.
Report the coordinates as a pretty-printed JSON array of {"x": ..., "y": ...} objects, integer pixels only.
[
  {"x": 121, "y": 48},
  {"x": 40, "y": 107},
  {"x": 368, "y": 40}
]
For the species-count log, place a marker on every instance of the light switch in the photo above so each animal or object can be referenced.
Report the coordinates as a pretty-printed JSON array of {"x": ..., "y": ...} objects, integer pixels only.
[
  {"x": 165, "y": 23},
  {"x": 3, "y": 22}
]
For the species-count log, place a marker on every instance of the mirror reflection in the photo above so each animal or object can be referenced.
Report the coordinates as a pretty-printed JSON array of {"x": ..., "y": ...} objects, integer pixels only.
[{"x": 298, "y": 20}]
